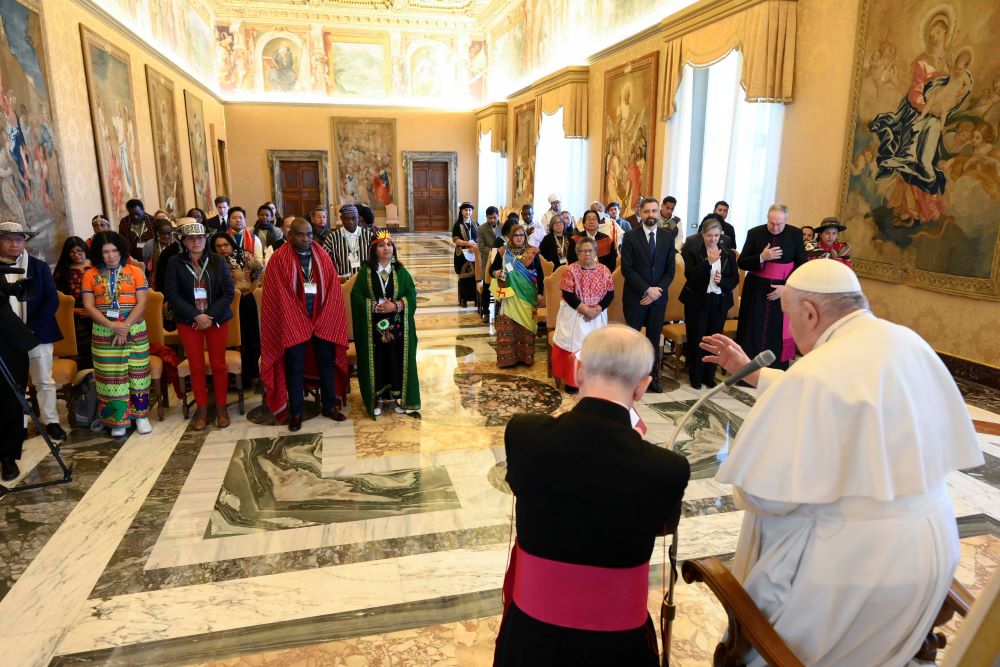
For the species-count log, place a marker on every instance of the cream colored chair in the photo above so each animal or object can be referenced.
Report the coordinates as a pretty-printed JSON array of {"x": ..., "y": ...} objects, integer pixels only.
[
  {"x": 234, "y": 362},
  {"x": 64, "y": 366},
  {"x": 155, "y": 334},
  {"x": 616, "y": 314},
  {"x": 553, "y": 297},
  {"x": 674, "y": 330}
]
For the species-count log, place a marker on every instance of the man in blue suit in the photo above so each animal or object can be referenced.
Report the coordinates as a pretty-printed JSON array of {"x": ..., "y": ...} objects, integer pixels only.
[
  {"x": 39, "y": 313},
  {"x": 648, "y": 255}
]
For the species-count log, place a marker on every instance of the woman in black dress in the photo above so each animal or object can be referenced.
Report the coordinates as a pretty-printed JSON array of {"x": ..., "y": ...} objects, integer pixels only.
[{"x": 465, "y": 235}]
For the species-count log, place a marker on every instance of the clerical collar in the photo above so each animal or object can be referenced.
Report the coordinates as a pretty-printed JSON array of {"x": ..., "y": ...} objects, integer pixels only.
[{"x": 836, "y": 326}]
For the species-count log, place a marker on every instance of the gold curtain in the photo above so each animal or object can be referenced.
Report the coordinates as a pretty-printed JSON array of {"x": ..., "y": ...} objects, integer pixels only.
[
  {"x": 493, "y": 118},
  {"x": 568, "y": 89},
  {"x": 764, "y": 32}
]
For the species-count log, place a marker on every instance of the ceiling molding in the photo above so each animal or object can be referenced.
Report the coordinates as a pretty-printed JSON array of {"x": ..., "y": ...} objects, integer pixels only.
[
  {"x": 491, "y": 110},
  {"x": 572, "y": 74}
]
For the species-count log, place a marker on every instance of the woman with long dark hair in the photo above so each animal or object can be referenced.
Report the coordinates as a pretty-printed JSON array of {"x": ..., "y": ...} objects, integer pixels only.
[
  {"x": 465, "y": 235},
  {"x": 383, "y": 302},
  {"x": 72, "y": 264}
]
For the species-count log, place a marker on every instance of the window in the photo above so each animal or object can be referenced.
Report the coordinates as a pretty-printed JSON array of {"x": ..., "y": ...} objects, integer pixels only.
[
  {"x": 560, "y": 167},
  {"x": 723, "y": 148},
  {"x": 492, "y": 177}
]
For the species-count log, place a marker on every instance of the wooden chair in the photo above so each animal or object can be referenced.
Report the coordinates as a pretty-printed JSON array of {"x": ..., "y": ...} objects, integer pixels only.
[
  {"x": 64, "y": 366},
  {"x": 749, "y": 627},
  {"x": 155, "y": 334},
  {"x": 674, "y": 330},
  {"x": 234, "y": 362},
  {"x": 977, "y": 642},
  {"x": 616, "y": 314},
  {"x": 554, "y": 298},
  {"x": 732, "y": 317},
  {"x": 547, "y": 266}
]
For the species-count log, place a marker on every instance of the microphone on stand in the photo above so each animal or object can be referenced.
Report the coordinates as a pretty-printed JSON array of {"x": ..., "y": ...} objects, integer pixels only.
[{"x": 667, "y": 608}]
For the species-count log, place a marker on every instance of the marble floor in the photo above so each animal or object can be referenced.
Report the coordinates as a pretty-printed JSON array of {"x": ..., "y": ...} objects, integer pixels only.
[{"x": 356, "y": 543}]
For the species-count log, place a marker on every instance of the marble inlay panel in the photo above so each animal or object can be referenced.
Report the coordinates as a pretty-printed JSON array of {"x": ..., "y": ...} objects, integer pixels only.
[
  {"x": 704, "y": 440},
  {"x": 989, "y": 472}
]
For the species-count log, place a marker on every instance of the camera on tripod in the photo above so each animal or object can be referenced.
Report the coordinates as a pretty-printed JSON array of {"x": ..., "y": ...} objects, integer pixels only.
[{"x": 21, "y": 290}]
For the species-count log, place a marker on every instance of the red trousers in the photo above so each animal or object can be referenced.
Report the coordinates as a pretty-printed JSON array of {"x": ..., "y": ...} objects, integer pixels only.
[{"x": 195, "y": 343}]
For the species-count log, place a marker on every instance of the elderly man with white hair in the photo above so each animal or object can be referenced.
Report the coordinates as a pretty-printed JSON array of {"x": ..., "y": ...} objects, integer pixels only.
[
  {"x": 592, "y": 496},
  {"x": 849, "y": 541}
]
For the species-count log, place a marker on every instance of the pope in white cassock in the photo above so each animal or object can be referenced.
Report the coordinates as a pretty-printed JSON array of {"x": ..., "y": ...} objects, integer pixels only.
[{"x": 849, "y": 541}]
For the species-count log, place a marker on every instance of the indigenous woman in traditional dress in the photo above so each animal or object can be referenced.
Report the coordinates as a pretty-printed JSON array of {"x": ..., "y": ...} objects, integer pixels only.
[
  {"x": 465, "y": 234},
  {"x": 557, "y": 246},
  {"x": 587, "y": 291},
  {"x": 68, "y": 276},
  {"x": 711, "y": 276},
  {"x": 827, "y": 245},
  {"x": 383, "y": 301},
  {"x": 607, "y": 252},
  {"x": 114, "y": 296},
  {"x": 517, "y": 274}
]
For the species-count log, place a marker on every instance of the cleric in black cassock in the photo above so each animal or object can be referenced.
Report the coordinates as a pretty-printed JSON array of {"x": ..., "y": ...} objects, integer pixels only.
[
  {"x": 592, "y": 496},
  {"x": 770, "y": 254}
]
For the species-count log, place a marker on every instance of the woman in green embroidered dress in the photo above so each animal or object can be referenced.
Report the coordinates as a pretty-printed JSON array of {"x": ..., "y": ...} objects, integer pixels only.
[{"x": 382, "y": 303}]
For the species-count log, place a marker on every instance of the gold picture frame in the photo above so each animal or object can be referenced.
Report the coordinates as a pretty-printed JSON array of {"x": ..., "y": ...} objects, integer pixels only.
[
  {"x": 364, "y": 162},
  {"x": 628, "y": 121}
]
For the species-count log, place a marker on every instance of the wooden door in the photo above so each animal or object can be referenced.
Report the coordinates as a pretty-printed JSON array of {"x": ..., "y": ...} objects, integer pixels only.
[
  {"x": 430, "y": 197},
  {"x": 299, "y": 186}
]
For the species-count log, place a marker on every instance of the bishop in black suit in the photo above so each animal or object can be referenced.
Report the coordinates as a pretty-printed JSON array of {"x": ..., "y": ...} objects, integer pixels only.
[
  {"x": 590, "y": 491},
  {"x": 647, "y": 277}
]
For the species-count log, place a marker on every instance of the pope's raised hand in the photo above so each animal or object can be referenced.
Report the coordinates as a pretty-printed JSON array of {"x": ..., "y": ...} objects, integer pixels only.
[{"x": 724, "y": 351}]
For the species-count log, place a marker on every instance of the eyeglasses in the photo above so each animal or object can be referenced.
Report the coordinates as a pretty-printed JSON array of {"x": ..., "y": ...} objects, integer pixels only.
[{"x": 518, "y": 234}]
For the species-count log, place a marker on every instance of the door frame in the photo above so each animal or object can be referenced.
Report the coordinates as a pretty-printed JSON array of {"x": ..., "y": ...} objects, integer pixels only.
[
  {"x": 451, "y": 158},
  {"x": 274, "y": 159}
]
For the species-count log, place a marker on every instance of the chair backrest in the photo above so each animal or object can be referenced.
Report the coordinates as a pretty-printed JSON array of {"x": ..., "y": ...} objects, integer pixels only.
[
  {"x": 675, "y": 309},
  {"x": 345, "y": 290},
  {"x": 67, "y": 327},
  {"x": 391, "y": 212},
  {"x": 615, "y": 311},
  {"x": 977, "y": 642},
  {"x": 553, "y": 296},
  {"x": 234, "y": 340},
  {"x": 546, "y": 267},
  {"x": 258, "y": 297},
  {"x": 154, "y": 317}
]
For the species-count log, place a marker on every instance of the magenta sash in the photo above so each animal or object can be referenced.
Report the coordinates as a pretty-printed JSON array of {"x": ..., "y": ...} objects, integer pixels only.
[
  {"x": 775, "y": 271},
  {"x": 583, "y": 597}
]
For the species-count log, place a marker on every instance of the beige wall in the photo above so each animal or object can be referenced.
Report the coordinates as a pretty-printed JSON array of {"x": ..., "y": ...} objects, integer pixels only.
[
  {"x": 809, "y": 178},
  {"x": 256, "y": 128},
  {"x": 61, "y": 20}
]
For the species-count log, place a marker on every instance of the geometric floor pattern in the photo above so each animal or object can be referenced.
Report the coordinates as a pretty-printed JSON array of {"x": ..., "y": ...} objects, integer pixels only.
[{"x": 365, "y": 542}]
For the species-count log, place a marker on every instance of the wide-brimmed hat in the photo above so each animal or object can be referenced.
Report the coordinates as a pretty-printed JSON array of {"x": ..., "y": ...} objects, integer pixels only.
[
  {"x": 8, "y": 227},
  {"x": 190, "y": 229},
  {"x": 827, "y": 223}
]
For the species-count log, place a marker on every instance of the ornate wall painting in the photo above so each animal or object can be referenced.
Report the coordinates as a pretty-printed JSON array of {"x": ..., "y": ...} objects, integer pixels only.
[
  {"x": 166, "y": 142},
  {"x": 920, "y": 190},
  {"x": 199, "y": 152},
  {"x": 525, "y": 136},
  {"x": 430, "y": 68},
  {"x": 198, "y": 40},
  {"x": 510, "y": 62},
  {"x": 474, "y": 69},
  {"x": 357, "y": 68},
  {"x": 364, "y": 161},
  {"x": 280, "y": 60},
  {"x": 112, "y": 112},
  {"x": 31, "y": 183},
  {"x": 628, "y": 118}
]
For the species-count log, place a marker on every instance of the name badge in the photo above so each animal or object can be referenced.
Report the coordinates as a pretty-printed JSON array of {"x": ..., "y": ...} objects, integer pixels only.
[
  {"x": 381, "y": 301},
  {"x": 509, "y": 267},
  {"x": 355, "y": 262},
  {"x": 112, "y": 315},
  {"x": 310, "y": 288},
  {"x": 562, "y": 260},
  {"x": 140, "y": 244},
  {"x": 200, "y": 294}
]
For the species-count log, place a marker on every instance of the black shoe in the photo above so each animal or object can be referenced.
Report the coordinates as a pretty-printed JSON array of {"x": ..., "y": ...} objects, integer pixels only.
[
  {"x": 696, "y": 386},
  {"x": 710, "y": 383},
  {"x": 294, "y": 423},
  {"x": 654, "y": 387},
  {"x": 334, "y": 414},
  {"x": 572, "y": 390},
  {"x": 55, "y": 431},
  {"x": 10, "y": 469}
]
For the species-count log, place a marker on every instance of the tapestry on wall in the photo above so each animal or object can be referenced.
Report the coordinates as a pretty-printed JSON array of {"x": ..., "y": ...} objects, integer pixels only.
[
  {"x": 524, "y": 155},
  {"x": 166, "y": 142},
  {"x": 198, "y": 147},
  {"x": 921, "y": 183},
  {"x": 363, "y": 163},
  {"x": 629, "y": 120},
  {"x": 31, "y": 185},
  {"x": 112, "y": 112}
]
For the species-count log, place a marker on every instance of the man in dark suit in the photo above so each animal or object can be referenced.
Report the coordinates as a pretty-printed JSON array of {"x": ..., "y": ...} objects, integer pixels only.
[
  {"x": 220, "y": 221},
  {"x": 592, "y": 496},
  {"x": 39, "y": 313},
  {"x": 648, "y": 256}
]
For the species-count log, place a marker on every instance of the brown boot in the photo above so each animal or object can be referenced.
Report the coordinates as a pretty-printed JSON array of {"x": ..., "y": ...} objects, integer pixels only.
[
  {"x": 222, "y": 416},
  {"x": 200, "y": 418}
]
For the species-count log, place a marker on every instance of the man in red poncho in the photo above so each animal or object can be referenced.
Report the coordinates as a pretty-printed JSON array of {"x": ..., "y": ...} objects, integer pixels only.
[{"x": 302, "y": 311}]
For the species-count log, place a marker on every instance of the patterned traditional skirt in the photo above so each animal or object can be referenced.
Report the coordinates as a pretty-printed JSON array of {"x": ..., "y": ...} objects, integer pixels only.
[
  {"x": 121, "y": 374},
  {"x": 514, "y": 343}
]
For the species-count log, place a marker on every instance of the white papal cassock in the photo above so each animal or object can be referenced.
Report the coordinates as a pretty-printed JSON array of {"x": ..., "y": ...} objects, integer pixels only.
[{"x": 849, "y": 541}]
